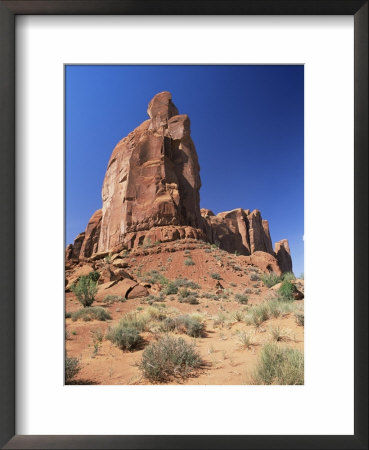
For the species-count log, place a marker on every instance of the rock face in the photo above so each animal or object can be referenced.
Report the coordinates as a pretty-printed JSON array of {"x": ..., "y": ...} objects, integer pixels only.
[
  {"x": 152, "y": 179},
  {"x": 238, "y": 230},
  {"x": 150, "y": 194}
]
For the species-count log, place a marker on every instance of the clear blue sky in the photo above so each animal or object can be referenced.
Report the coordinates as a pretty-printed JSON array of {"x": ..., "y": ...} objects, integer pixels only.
[{"x": 247, "y": 123}]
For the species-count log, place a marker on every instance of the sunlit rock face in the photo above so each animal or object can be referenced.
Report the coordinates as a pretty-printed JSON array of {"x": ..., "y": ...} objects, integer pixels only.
[{"x": 152, "y": 177}]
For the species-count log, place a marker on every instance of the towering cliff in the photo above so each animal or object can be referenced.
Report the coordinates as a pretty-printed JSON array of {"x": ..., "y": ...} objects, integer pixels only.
[{"x": 151, "y": 192}]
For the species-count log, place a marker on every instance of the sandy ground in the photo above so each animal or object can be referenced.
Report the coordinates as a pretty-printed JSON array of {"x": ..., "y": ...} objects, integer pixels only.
[{"x": 226, "y": 361}]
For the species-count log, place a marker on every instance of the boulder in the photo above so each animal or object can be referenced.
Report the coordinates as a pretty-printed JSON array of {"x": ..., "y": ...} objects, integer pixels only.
[{"x": 137, "y": 292}]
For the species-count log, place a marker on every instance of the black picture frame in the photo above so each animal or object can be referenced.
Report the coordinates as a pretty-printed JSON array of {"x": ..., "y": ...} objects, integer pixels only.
[{"x": 8, "y": 11}]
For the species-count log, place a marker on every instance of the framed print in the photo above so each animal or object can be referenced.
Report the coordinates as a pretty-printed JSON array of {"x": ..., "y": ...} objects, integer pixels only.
[{"x": 176, "y": 180}]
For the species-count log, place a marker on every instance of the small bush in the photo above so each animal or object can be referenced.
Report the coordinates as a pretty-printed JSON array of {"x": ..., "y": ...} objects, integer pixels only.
[
  {"x": 113, "y": 299},
  {"x": 215, "y": 276},
  {"x": 124, "y": 336},
  {"x": 286, "y": 291},
  {"x": 240, "y": 298},
  {"x": 68, "y": 315},
  {"x": 169, "y": 357},
  {"x": 283, "y": 366},
  {"x": 189, "y": 262},
  {"x": 85, "y": 289},
  {"x": 171, "y": 288},
  {"x": 193, "y": 325},
  {"x": 72, "y": 367},
  {"x": 270, "y": 279},
  {"x": 254, "y": 277},
  {"x": 91, "y": 313}
]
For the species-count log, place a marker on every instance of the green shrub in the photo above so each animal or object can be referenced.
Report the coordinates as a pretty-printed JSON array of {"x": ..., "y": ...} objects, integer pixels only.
[
  {"x": 270, "y": 279},
  {"x": 193, "y": 325},
  {"x": 123, "y": 336},
  {"x": 71, "y": 368},
  {"x": 283, "y": 366},
  {"x": 241, "y": 298},
  {"x": 288, "y": 276},
  {"x": 286, "y": 291},
  {"x": 85, "y": 289},
  {"x": 189, "y": 262},
  {"x": 215, "y": 276},
  {"x": 91, "y": 313},
  {"x": 94, "y": 276},
  {"x": 68, "y": 315},
  {"x": 169, "y": 357},
  {"x": 171, "y": 288},
  {"x": 113, "y": 299}
]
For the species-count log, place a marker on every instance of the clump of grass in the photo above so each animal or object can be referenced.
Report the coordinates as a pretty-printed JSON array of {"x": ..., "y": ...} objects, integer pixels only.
[
  {"x": 233, "y": 284},
  {"x": 187, "y": 252},
  {"x": 134, "y": 320},
  {"x": 277, "y": 333},
  {"x": 126, "y": 333},
  {"x": 254, "y": 277},
  {"x": 85, "y": 289},
  {"x": 257, "y": 315},
  {"x": 283, "y": 366},
  {"x": 215, "y": 276},
  {"x": 193, "y": 325},
  {"x": 241, "y": 298},
  {"x": 238, "y": 316},
  {"x": 187, "y": 296},
  {"x": 300, "y": 319},
  {"x": 189, "y": 262},
  {"x": 270, "y": 279},
  {"x": 71, "y": 368},
  {"x": 113, "y": 299},
  {"x": 68, "y": 315},
  {"x": 245, "y": 339},
  {"x": 167, "y": 358},
  {"x": 248, "y": 291},
  {"x": 91, "y": 313}
]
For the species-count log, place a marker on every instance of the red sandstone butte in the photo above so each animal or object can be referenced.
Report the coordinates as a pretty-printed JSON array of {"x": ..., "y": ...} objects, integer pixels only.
[{"x": 150, "y": 194}]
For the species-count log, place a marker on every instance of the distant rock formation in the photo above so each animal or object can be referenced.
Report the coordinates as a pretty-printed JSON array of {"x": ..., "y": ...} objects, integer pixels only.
[
  {"x": 238, "y": 231},
  {"x": 151, "y": 194}
]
